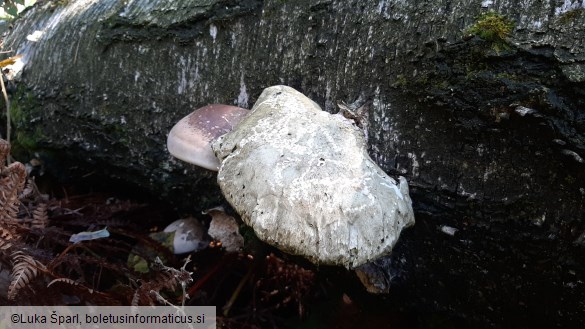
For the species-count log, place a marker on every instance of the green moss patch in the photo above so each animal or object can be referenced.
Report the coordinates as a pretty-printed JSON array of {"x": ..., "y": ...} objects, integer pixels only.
[{"x": 494, "y": 28}]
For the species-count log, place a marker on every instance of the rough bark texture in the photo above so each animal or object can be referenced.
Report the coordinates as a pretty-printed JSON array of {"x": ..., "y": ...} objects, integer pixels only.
[{"x": 489, "y": 133}]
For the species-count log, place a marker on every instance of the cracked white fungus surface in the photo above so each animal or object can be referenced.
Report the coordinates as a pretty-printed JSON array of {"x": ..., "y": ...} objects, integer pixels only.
[{"x": 303, "y": 180}]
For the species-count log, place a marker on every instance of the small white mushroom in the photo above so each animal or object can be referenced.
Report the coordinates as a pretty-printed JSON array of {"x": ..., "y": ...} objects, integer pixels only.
[
  {"x": 189, "y": 235},
  {"x": 189, "y": 140}
]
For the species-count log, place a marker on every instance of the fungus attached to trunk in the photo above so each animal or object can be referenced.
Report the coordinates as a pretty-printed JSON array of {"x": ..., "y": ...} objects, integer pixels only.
[
  {"x": 303, "y": 180},
  {"x": 299, "y": 176},
  {"x": 190, "y": 138}
]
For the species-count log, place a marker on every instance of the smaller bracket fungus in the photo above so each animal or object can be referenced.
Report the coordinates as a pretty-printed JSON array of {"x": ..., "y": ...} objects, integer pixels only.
[
  {"x": 303, "y": 180},
  {"x": 189, "y": 140}
]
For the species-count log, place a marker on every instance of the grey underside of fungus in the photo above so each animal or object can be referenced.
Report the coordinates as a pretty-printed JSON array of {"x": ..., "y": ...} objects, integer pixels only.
[{"x": 302, "y": 179}]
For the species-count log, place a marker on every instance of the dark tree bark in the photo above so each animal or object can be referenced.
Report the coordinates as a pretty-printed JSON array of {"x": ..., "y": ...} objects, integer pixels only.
[{"x": 490, "y": 132}]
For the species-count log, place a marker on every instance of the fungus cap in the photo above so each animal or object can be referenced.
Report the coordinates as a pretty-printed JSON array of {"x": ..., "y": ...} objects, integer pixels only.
[
  {"x": 189, "y": 235},
  {"x": 303, "y": 180},
  {"x": 189, "y": 140}
]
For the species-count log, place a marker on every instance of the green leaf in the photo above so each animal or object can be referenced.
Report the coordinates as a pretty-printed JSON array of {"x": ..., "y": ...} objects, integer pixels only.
[{"x": 11, "y": 10}]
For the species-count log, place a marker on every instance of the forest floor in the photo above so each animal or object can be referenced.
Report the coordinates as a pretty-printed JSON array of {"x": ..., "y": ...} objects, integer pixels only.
[{"x": 257, "y": 287}]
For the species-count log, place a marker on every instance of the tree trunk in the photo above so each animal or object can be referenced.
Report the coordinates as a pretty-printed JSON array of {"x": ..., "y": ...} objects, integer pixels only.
[{"x": 488, "y": 129}]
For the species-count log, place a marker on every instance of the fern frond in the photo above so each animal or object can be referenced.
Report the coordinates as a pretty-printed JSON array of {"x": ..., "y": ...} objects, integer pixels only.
[
  {"x": 40, "y": 217},
  {"x": 6, "y": 238},
  {"x": 8, "y": 200},
  {"x": 11, "y": 184},
  {"x": 18, "y": 173},
  {"x": 25, "y": 269},
  {"x": 71, "y": 282}
]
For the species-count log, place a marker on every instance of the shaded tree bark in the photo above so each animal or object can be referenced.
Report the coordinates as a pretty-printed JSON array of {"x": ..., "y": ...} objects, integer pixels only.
[{"x": 490, "y": 136}]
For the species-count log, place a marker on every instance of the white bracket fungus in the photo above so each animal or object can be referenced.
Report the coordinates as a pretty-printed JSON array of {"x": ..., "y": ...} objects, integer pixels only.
[{"x": 303, "y": 180}]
